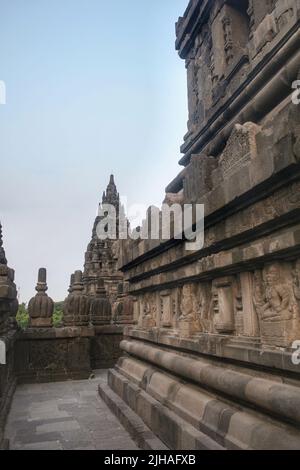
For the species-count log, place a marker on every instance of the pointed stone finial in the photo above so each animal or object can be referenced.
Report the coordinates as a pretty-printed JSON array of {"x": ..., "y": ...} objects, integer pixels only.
[
  {"x": 2, "y": 252},
  {"x": 41, "y": 306},
  {"x": 72, "y": 279},
  {"x": 42, "y": 281}
]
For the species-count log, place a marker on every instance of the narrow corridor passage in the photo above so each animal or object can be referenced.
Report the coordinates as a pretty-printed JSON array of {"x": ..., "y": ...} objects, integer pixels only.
[{"x": 64, "y": 416}]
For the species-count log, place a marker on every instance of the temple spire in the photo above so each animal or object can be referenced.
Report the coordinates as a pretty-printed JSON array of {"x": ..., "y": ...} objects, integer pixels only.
[
  {"x": 111, "y": 195},
  {"x": 2, "y": 252}
]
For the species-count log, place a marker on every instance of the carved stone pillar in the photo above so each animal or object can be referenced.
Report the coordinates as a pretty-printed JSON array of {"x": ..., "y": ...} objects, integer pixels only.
[
  {"x": 100, "y": 310},
  {"x": 224, "y": 321},
  {"x": 251, "y": 324},
  {"x": 166, "y": 309},
  {"x": 136, "y": 310},
  {"x": 41, "y": 306}
]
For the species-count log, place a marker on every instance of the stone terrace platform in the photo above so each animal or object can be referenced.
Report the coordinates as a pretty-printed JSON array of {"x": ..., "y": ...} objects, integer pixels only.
[{"x": 64, "y": 416}]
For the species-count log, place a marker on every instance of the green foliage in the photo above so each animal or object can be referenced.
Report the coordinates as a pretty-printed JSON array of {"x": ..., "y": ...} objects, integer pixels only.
[
  {"x": 58, "y": 314},
  {"x": 22, "y": 316}
]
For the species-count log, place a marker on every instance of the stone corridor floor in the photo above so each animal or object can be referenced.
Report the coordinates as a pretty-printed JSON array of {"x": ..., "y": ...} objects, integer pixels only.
[{"x": 64, "y": 416}]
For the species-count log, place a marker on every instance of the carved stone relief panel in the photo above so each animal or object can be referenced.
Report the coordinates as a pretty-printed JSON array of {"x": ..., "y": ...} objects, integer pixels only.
[
  {"x": 149, "y": 311},
  {"x": 275, "y": 299},
  {"x": 240, "y": 149},
  {"x": 230, "y": 33},
  {"x": 189, "y": 320},
  {"x": 199, "y": 80}
]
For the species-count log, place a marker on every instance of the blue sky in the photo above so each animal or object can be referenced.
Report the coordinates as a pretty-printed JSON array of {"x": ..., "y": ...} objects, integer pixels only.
[{"x": 93, "y": 87}]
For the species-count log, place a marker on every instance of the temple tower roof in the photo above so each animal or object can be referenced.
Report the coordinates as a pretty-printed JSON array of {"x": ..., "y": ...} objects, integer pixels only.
[
  {"x": 111, "y": 195},
  {"x": 2, "y": 252}
]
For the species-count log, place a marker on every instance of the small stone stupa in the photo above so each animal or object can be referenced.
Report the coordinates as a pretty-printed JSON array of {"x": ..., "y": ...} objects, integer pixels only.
[
  {"x": 77, "y": 304},
  {"x": 100, "y": 313},
  {"x": 41, "y": 306}
]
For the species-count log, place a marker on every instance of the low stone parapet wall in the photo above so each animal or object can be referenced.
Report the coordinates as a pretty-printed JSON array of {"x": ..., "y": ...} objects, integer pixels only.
[{"x": 53, "y": 354}]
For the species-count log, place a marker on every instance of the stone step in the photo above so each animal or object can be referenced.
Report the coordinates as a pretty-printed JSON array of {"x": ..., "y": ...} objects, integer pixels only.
[{"x": 139, "y": 432}]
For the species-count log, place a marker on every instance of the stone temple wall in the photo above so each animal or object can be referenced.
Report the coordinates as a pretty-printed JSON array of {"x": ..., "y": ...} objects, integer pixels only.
[
  {"x": 8, "y": 334},
  {"x": 209, "y": 362}
]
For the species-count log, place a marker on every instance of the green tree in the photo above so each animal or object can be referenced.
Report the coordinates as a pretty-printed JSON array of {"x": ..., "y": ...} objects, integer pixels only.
[
  {"x": 22, "y": 316},
  {"x": 58, "y": 314}
]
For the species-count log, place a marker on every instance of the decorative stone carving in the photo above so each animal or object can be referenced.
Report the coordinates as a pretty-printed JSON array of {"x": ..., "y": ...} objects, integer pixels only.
[
  {"x": 100, "y": 309},
  {"x": 230, "y": 31},
  {"x": 41, "y": 307},
  {"x": 166, "y": 309},
  {"x": 149, "y": 312},
  {"x": 189, "y": 321},
  {"x": 136, "y": 310},
  {"x": 250, "y": 317},
  {"x": 276, "y": 304},
  {"x": 205, "y": 299},
  {"x": 77, "y": 304},
  {"x": 240, "y": 149},
  {"x": 224, "y": 320},
  {"x": 123, "y": 307}
]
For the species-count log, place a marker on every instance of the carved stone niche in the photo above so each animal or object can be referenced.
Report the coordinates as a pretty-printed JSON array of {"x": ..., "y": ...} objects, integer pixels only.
[
  {"x": 189, "y": 320},
  {"x": 224, "y": 305},
  {"x": 276, "y": 299},
  {"x": 149, "y": 311},
  {"x": 240, "y": 149},
  {"x": 41, "y": 307},
  {"x": 198, "y": 178},
  {"x": 230, "y": 35}
]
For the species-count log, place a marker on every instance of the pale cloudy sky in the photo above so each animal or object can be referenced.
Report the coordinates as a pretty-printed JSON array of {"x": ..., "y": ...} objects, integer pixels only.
[{"x": 93, "y": 87}]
